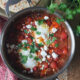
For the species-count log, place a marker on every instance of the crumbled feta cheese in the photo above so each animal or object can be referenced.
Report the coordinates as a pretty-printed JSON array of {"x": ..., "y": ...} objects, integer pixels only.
[
  {"x": 43, "y": 53},
  {"x": 54, "y": 30},
  {"x": 45, "y": 47},
  {"x": 43, "y": 59},
  {"x": 46, "y": 17},
  {"x": 48, "y": 56},
  {"x": 31, "y": 63},
  {"x": 54, "y": 55},
  {"x": 24, "y": 41},
  {"x": 28, "y": 26},
  {"x": 26, "y": 36}
]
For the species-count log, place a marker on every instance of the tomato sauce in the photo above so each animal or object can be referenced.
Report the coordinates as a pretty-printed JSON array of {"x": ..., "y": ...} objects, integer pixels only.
[{"x": 37, "y": 45}]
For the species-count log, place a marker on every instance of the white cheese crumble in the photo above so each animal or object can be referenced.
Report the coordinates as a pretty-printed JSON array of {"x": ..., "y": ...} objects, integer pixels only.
[
  {"x": 28, "y": 26},
  {"x": 46, "y": 17},
  {"x": 45, "y": 47},
  {"x": 31, "y": 63},
  {"x": 48, "y": 56},
  {"x": 43, "y": 53},
  {"x": 43, "y": 59},
  {"x": 54, "y": 55},
  {"x": 54, "y": 30},
  {"x": 24, "y": 41}
]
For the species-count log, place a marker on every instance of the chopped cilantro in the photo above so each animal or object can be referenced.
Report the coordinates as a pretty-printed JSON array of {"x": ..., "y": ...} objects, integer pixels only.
[
  {"x": 33, "y": 29},
  {"x": 36, "y": 58},
  {"x": 59, "y": 20},
  {"x": 56, "y": 45},
  {"x": 48, "y": 42},
  {"x": 25, "y": 31},
  {"x": 54, "y": 38},
  {"x": 26, "y": 44},
  {"x": 32, "y": 37},
  {"x": 31, "y": 56},
  {"x": 40, "y": 45},
  {"x": 51, "y": 35},
  {"x": 40, "y": 22},
  {"x": 38, "y": 32},
  {"x": 20, "y": 45},
  {"x": 24, "y": 48},
  {"x": 24, "y": 59}
]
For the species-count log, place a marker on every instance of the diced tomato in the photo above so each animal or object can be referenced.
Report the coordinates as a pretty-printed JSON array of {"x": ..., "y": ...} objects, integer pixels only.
[
  {"x": 29, "y": 40},
  {"x": 35, "y": 68},
  {"x": 28, "y": 69},
  {"x": 28, "y": 20},
  {"x": 43, "y": 72},
  {"x": 63, "y": 35},
  {"x": 20, "y": 38},
  {"x": 58, "y": 51},
  {"x": 53, "y": 65},
  {"x": 50, "y": 51},
  {"x": 49, "y": 22},
  {"x": 49, "y": 59},
  {"x": 55, "y": 24},
  {"x": 52, "y": 45},
  {"x": 65, "y": 51},
  {"x": 45, "y": 65}
]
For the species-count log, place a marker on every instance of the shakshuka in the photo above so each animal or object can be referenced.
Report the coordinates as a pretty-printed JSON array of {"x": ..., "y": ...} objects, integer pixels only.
[{"x": 37, "y": 45}]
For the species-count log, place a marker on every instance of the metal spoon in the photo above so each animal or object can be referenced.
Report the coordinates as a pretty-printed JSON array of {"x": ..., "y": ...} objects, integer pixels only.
[{"x": 10, "y": 2}]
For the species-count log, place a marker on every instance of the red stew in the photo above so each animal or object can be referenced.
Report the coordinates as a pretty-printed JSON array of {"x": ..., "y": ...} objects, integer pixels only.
[{"x": 37, "y": 45}]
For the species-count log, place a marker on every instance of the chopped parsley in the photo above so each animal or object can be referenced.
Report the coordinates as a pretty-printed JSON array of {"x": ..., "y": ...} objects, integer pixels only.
[
  {"x": 30, "y": 56},
  {"x": 40, "y": 22},
  {"x": 25, "y": 31},
  {"x": 24, "y": 48},
  {"x": 40, "y": 45},
  {"x": 56, "y": 45},
  {"x": 26, "y": 44},
  {"x": 48, "y": 42},
  {"x": 38, "y": 32},
  {"x": 51, "y": 35},
  {"x": 54, "y": 38},
  {"x": 33, "y": 28},
  {"x": 20, "y": 45},
  {"x": 33, "y": 49},
  {"x": 32, "y": 37},
  {"x": 23, "y": 58},
  {"x": 36, "y": 58}
]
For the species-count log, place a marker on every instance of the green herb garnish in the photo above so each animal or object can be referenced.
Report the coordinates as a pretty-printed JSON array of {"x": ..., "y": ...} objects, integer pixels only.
[
  {"x": 33, "y": 28},
  {"x": 25, "y": 31},
  {"x": 40, "y": 45},
  {"x": 31, "y": 56},
  {"x": 36, "y": 58},
  {"x": 40, "y": 22},
  {"x": 24, "y": 59},
  {"x": 48, "y": 42},
  {"x": 26, "y": 44},
  {"x": 20, "y": 45},
  {"x": 54, "y": 38},
  {"x": 56, "y": 45},
  {"x": 51, "y": 35},
  {"x": 59, "y": 20},
  {"x": 24, "y": 48},
  {"x": 38, "y": 32}
]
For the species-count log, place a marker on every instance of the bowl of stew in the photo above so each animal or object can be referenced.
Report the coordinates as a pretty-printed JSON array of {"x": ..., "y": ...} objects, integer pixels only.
[{"x": 36, "y": 47}]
